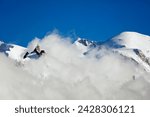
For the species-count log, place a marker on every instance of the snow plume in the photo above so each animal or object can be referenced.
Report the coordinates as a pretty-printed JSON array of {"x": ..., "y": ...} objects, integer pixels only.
[{"x": 63, "y": 74}]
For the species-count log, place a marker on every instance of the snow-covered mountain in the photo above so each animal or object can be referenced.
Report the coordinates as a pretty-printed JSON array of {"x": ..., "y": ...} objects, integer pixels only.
[
  {"x": 132, "y": 45},
  {"x": 116, "y": 69}
]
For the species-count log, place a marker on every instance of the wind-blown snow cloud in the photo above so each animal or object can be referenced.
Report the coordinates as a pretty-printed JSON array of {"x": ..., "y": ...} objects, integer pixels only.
[{"x": 62, "y": 73}]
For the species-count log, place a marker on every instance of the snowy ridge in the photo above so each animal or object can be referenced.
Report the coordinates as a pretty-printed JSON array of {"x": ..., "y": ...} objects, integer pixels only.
[
  {"x": 116, "y": 69},
  {"x": 13, "y": 51},
  {"x": 130, "y": 44}
]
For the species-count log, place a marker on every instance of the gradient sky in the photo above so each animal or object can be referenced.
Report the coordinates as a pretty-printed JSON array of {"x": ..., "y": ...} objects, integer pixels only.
[{"x": 99, "y": 20}]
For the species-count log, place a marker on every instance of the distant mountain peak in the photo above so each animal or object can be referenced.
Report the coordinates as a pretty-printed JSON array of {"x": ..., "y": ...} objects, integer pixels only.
[{"x": 84, "y": 45}]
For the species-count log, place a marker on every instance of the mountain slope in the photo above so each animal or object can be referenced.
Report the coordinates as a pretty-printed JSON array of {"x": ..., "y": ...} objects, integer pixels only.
[
  {"x": 13, "y": 51},
  {"x": 133, "y": 45}
]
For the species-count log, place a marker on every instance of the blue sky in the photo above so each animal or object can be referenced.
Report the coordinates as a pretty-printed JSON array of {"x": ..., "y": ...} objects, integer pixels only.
[{"x": 99, "y": 20}]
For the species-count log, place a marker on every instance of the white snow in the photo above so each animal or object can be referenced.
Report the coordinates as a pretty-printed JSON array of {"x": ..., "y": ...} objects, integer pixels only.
[
  {"x": 131, "y": 54},
  {"x": 62, "y": 74},
  {"x": 16, "y": 52}
]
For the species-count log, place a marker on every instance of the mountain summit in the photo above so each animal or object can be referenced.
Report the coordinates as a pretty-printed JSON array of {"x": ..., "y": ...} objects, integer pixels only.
[{"x": 131, "y": 40}]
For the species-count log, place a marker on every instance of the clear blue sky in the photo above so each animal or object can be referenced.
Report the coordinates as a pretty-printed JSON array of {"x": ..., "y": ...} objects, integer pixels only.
[{"x": 99, "y": 20}]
